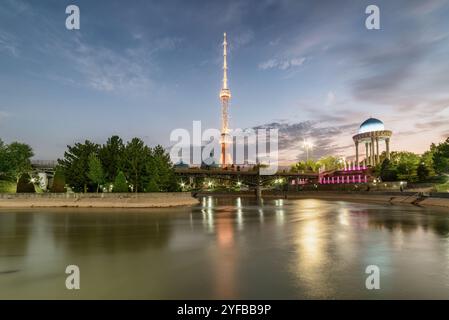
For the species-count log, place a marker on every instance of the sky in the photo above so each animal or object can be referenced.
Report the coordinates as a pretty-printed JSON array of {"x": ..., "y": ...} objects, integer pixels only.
[{"x": 144, "y": 68}]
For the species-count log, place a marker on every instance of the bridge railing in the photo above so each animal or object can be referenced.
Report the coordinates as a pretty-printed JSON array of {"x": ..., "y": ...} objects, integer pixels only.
[{"x": 44, "y": 163}]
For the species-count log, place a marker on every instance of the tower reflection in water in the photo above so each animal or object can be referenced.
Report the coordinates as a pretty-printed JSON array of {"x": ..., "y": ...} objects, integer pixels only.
[{"x": 224, "y": 252}]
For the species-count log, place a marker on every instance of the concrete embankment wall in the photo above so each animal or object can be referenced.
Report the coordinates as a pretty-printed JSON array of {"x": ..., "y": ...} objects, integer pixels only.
[{"x": 94, "y": 200}]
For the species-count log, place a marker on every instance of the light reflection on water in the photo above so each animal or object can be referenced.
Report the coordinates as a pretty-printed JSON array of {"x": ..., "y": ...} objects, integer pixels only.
[{"x": 227, "y": 248}]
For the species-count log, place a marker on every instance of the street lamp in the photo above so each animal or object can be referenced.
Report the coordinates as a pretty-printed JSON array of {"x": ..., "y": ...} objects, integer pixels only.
[{"x": 307, "y": 144}]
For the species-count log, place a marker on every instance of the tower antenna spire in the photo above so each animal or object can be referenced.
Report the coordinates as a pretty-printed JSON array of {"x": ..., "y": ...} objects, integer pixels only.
[
  {"x": 225, "y": 63},
  {"x": 225, "y": 96}
]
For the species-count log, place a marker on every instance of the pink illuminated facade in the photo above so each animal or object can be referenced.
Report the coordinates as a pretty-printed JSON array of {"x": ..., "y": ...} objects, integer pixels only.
[{"x": 349, "y": 175}]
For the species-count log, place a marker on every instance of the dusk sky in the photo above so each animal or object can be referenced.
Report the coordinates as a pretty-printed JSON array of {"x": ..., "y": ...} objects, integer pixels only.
[{"x": 144, "y": 68}]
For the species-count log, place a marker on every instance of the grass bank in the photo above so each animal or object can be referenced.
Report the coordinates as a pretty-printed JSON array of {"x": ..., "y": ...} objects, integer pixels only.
[{"x": 7, "y": 186}]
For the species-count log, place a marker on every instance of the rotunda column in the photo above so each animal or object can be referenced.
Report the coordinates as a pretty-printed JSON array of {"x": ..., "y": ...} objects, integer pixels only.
[
  {"x": 366, "y": 153},
  {"x": 377, "y": 150},
  {"x": 387, "y": 145},
  {"x": 356, "y": 153}
]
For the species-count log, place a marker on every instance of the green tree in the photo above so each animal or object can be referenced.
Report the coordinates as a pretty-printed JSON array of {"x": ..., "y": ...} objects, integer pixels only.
[
  {"x": 76, "y": 165},
  {"x": 427, "y": 160},
  {"x": 152, "y": 186},
  {"x": 15, "y": 159},
  {"x": 441, "y": 157},
  {"x": 4, "y": 164},
  {"x": 388, "y": 171},
  {"x": 423, "y": 172},
  {"x": 135, "y": 165},
  {"x": 120, "y": 183},
  {"x": 111, "y": 157},
  {"x": 161, "y": 170},
  {"x": 298, "y": 167},
  {"x": 406, "y": 164},
  {"x": 24, "y": 185},
  {"x": 330, "y": 163},
  {"x": 308, "y": 165},
  {"x": 96, "y": 173},
  {"x": 58, "y": 185}
]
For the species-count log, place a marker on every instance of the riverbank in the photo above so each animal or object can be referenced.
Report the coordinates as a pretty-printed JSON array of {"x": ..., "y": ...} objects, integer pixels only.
[
  {"x": 435, "y": 199},
  {"x": 392, "y": 198},
  {"x": 102, "y": 200}
]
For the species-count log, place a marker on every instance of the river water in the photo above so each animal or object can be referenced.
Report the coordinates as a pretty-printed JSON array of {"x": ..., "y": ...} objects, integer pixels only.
[{"x": 227, "y": 248}]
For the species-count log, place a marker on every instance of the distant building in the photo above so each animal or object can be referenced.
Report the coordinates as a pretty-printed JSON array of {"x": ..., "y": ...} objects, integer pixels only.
[{"x": 372, "y": 131}]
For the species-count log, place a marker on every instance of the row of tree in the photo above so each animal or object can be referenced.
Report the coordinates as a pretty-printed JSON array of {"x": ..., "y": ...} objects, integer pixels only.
[
  {"x": 402, "y": 165},
  {"x": 328, "y": 162},
  {"x": 116, "y": 166},
  {"x": 133, "y": 166},
  {"x": 408, "y": 166}
]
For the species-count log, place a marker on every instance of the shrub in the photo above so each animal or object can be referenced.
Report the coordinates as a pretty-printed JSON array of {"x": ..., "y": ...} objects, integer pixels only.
[
  {"x": 25, "y": 185},
  {"x": 7, "y": 186}
]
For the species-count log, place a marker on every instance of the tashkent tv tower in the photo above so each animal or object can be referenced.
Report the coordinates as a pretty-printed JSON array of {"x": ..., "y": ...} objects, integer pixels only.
[{"x": 225, "y": 96}]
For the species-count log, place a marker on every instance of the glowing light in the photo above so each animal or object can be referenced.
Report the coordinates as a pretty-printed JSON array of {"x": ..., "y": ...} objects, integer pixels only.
[
  {"x": 239, "y": 202},
  {"x": 209, "y": 202},
  {"x": 308, "y": 145},
  {"x": 280, "y": 217},
  {"x": 343, "y": 217},
  {"x": 261, "y": 217},
  {"x": 279, "y": 203}
]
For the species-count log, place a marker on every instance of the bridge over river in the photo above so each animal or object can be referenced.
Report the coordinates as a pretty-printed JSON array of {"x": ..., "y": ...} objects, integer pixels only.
[
  {"x": 196, "y": 176},
  {"x": 252, "y": 178}
]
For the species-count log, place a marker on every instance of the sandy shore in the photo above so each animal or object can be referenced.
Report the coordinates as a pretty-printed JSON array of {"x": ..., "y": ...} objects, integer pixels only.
[{"x": 154, "y": 201}]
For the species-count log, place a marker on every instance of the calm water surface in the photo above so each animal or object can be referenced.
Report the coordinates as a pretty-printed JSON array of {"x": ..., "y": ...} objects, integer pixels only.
[{"x": 227, "y": 248}]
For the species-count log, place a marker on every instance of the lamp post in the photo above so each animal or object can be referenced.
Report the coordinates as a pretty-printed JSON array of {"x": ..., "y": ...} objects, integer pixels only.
[{"x": 307, "y": 145}]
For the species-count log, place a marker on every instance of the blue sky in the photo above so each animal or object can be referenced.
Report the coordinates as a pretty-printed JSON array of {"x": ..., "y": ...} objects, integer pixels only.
[{"x": 144, "y": 68}]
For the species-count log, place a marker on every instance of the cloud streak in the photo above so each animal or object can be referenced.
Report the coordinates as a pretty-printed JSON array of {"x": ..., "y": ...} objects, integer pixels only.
[
  {"x": 128, "y": 70},
  {"x": 282, "y": 64},
  {"x": 9, "y": 44},
  {"x": 327, "y": 140}
]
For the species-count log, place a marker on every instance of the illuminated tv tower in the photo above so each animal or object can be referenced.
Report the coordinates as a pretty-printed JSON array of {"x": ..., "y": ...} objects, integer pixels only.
[{"x": 225, "y": 96}]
